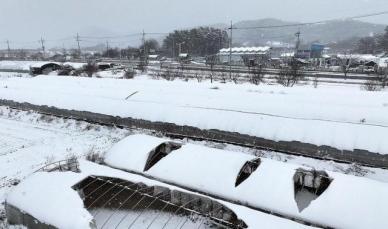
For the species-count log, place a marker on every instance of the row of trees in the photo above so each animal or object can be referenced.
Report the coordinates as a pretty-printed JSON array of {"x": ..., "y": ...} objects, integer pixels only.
[
  {"x": 367, "y": 45},
  {"x": 202, "y": 41}
]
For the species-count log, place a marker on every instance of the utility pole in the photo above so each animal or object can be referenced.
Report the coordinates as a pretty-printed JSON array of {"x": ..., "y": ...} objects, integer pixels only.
[
  {"x": 143, "y": 53},
  {"x": 77, "y": 38},
  {"x": 230, "y": 49},
  {"x": 221, "y": 38},
  {"x": 64, "y": 49},
  {"x": 42, "y": 44},
  {"x": 173, "y": 48},
  {"x": 107, "y": 48},
  {"x": 8, "y": 49},
  {"x": 144, "y": 47},
  {"x": 297, "y": 43}
]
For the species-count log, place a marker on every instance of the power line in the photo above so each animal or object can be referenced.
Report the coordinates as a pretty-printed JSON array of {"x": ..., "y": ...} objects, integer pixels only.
[
  {"x": 42, "y": 43},
  {"x": 112, "y": 37},
  {"x": 311, "y": 23},
  {"x": 230, "y": 49},
  {"x": 78, "y": 43},
  {"x": 8, "y": 48}
]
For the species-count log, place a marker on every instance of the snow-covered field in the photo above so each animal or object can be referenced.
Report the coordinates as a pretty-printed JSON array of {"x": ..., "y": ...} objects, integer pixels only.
[
  {"x": 18, "y": 65},
  {"x": 13, "y": 75},
  {"x": 342, "y": 117},
  {"x": 29, "y": 141},
  {"x": 26, "y": 65}
]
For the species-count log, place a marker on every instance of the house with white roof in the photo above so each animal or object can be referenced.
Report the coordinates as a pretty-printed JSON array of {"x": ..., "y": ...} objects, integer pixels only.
[{"x": 244, "y": 55}]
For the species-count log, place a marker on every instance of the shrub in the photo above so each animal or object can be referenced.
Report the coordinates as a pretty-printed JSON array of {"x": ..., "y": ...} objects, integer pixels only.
[
  {"x": 90, "y": 68},
  {"x": 371, "y": 85},
  {"x": 290, "y": 75},
  {"x": 129, "y": 74}
]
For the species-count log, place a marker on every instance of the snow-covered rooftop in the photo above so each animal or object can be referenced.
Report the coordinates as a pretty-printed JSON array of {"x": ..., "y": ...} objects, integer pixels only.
[
  {"x": 349, "y": 201},
  {"x": 246, "y": 50},
  {"x": 54, "y": 201},
  {"x": 359, "y": 57}
]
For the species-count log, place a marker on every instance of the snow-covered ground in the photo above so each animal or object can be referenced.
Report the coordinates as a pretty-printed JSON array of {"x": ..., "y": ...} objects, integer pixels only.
[
  {"x": 110, "y": 74},
  {"x": 25, "y": 65},
  {"x": 342, "y": 117},
  {"x": 17, "y": 65},
  {"x": 13, "y": 74},
  {"x": 29, "y": 141}
]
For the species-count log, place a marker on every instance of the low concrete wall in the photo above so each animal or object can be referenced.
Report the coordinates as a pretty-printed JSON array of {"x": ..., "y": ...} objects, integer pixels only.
[
  {"x": 14, "y": 71},
  {"x": 364, "y": 157},
  {"x": 15, "y": 216}
]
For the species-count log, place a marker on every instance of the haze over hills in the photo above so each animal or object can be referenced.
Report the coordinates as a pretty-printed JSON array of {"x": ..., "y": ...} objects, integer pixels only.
[{"x": 328, "y": 32}]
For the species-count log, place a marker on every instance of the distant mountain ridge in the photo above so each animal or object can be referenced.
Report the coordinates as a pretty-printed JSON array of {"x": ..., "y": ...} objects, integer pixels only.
[{"x": 333, "y": 31}]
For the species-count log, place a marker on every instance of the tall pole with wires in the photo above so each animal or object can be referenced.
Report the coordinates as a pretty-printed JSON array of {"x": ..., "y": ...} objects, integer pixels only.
[
  {"x": 42, "y": 44},
  {"x": 107, "y": 48},
  {"x": 8, "y": 49},
  {"x": 64, "y": 49},
  {"x": 297, "y": 45},
  {"x": 230, "y": 49},
  {"x": 144, "y": 52},
  {"x": 43, "y": 48},
  {"x": 77, "y": 39},
  {"x": 173, "y": 47}
]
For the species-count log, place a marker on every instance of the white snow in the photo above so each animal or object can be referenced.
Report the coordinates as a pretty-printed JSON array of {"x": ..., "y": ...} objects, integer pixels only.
[
  {"x": 383, "y": 62},
  {"x": 345, "y": 204},
  {"x": 26, "y": 65},
  {"x": 74, "y": 65},
  {"x": 28, "y": 141},
  {"x": 110, "y": 74},
  {"x": 51, "y": 200},
  {"x": 21, "y": 65},
  {"x": 245, "y": 50},
  {"x": 15, "y": 65},
  {"x": 342, "y": 117},
  {"x": 129, "y": 157}
]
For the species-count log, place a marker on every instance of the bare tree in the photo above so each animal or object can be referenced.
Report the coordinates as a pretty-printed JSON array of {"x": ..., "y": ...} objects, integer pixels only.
[
  {"x": 235, "y": 78},
  {"x": 371, "y": 85},
  {"x": 223, "y": 77},
  {"x": 129, "y": 73},
  {"x": 345, "y": 63},
  {"x": 315, "y": 82},
  {"x": 211, "y": 61},
  {"x": 257, "y": 74},
  {"x": 383, "y": 77},
  {"x": 291, "y": 74},
  {"x": 90, "y": 68},
  {"x": 367, "y": 45}
]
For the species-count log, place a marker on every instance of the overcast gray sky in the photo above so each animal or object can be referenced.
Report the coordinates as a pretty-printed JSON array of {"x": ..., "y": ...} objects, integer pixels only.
[{"x": 25, "y": 21}]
